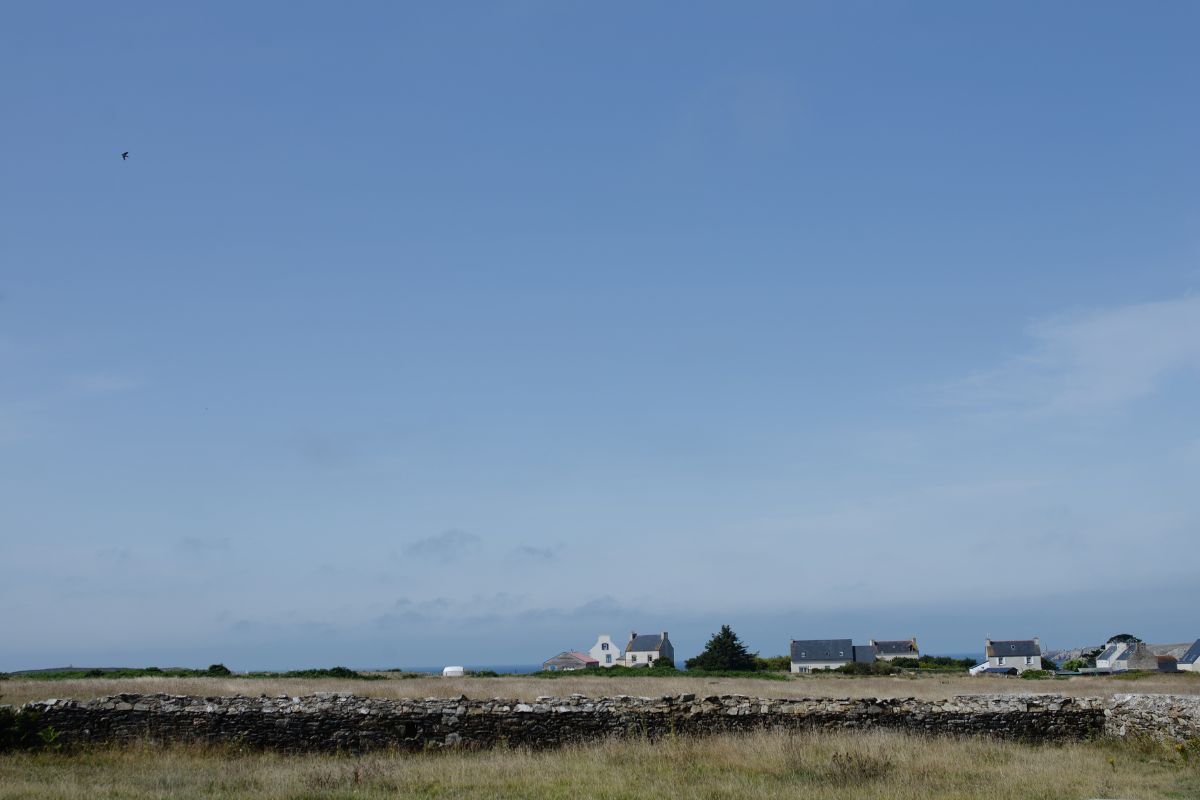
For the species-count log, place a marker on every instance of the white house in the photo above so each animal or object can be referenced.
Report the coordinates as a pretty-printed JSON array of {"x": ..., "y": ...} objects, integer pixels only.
[
  {"x": 1112, "y": 656},
  {"x": 888, "y": 649},
  {"x": 453, "y": 672},
  {"x": 813, "y": 654},
  {"x": 1018, "y": 654},
  {"x": 605, "y": 651},
  {"x": 644, "y": 650},
  {"x": 1190, "y": 661}
]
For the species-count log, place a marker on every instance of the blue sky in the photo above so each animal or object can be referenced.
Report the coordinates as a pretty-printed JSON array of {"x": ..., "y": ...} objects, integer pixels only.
[{"x": 431, "y": 333}]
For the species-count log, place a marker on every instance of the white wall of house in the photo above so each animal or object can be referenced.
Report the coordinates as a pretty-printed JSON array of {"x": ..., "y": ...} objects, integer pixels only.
[
  {"x": 641, "y": 658},
  {"x": 1110, "y": 663},
  {"x": 605, "y": 651},
  {"x": 1019, "y": 663},
  {"x": 810, "y": 666}
]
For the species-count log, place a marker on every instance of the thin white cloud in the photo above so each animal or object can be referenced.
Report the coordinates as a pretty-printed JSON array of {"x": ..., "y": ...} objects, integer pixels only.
[{"x": 1098, "y": 361}]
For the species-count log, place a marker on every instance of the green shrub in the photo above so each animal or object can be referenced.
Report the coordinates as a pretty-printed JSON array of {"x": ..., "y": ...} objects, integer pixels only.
[
  {"x": 1036, "y": 675},
  {"x": 863, "y": 668},
  {"x": 773, "y": 664},
  {"x": 219, "y": 670}
]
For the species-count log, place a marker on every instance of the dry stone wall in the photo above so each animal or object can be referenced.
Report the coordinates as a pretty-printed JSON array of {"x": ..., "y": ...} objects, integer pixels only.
[
  {"x": 326, "y": 722},
  {"x": 1162, "y": 716}
]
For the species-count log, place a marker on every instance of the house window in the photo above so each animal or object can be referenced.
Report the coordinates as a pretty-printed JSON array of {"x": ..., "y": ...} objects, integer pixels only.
[
  {"x": 650, "y": 657},
  {"x": 608, "y": 658},
  {"x": 633, "y": 659},
  {"x": 604, "y": 646},
  {"x": 1028, "y": 660},
  {"x": 1000, "y": 660}
]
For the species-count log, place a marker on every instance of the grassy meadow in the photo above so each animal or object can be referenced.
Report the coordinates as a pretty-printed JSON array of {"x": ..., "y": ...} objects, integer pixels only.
[
  {"x": 864, "y": 766},
  {"x": 17, "y": 690}
]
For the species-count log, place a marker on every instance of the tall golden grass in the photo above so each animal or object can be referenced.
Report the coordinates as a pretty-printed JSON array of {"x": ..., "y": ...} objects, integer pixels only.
[
  {"x": 18, "y": 691},
  {"x": 815, "y": 766}
]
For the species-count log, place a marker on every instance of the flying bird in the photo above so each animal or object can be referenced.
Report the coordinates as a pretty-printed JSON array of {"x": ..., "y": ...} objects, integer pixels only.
[{"x": 125, "y": 156}]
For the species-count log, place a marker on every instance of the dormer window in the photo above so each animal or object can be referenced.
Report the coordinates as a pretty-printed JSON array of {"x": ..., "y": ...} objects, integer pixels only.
[{"x": 604, "y": 646}]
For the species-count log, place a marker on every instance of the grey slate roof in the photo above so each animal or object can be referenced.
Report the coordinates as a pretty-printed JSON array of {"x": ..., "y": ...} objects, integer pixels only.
[
  {"x": 1109, "y": 652},
  {"x": 864, "y": 653},
  {"x": 644, "y": 643},
  {"x": 894, "y": 647},
  {"x": 1192, "y": 655},
  {"x": 822, "y": 650},
  {"x": 1014, "y": 647}
]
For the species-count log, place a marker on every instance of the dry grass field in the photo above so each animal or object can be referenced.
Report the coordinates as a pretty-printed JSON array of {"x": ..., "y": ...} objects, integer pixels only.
[
  {"x": 17, "y": 691},
  {"x": 864, "y": 766}
]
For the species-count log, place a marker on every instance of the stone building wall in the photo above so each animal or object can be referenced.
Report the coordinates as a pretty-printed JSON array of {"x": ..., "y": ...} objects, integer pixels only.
[{"x": 325, "y": 722}]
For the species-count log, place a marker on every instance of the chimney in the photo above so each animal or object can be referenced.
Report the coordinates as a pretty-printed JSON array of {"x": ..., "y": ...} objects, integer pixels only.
[
  {"x": 1037, "y": 643},
  {"x": 664, "y": 636}
]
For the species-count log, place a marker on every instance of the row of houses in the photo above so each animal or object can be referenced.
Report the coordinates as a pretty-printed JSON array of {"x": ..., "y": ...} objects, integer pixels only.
[
  {"x": 642, "y": 650},
  {"x": 1002, "y": 656},
  {"x": 1138, "y": 657}
]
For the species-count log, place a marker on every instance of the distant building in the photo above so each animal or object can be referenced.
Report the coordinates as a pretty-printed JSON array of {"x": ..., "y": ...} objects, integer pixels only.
[
  {"x": 570, "y": 660},
  {"x": 605, "y": 651},
  {"x": 888, "y": 649},
  {"x": 1111, "y": 657},
  {"x": 453, "y": 672},
  {"x": 1140, "y": 658},
  {"x": 1018, "y": 654},
  {"x": 1190, "y": 661},
  {"x": 814, "y": 654},
  {"x": 643, "y": 650}
]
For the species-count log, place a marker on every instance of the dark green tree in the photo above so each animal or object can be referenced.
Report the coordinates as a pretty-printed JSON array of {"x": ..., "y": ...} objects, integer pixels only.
[
  {"x": 1125, "y": 638},
  {"x": 724, "y": 651}
]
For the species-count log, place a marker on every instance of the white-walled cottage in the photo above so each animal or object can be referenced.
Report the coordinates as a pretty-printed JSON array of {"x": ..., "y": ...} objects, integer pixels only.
[
  {"x": 888, "y": 649},
  {"x": 605, "y": 651},
  {"x": 643, "y": 650},
  {"x": 812, "y": 654},
  {"x": 1190, "y": 661},
  {"x": 1018, "y": 654}
]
